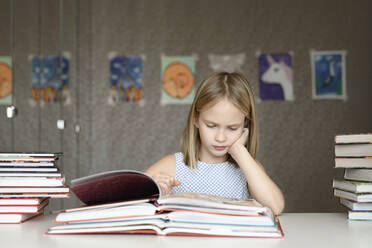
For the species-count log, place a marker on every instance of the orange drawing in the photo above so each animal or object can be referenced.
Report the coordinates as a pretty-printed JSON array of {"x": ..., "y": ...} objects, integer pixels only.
[
  {"x": 133, "y": 94},
  {"x": 5, "y": 80},
  {"x": 178, "y": 80}
]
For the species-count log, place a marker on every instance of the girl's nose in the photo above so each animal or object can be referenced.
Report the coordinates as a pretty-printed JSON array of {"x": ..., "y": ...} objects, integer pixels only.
[{"x": 220, "y": 136}]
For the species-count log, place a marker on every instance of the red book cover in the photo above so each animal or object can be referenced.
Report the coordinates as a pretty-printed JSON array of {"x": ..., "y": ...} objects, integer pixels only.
[{"x": 114, "y": 186}]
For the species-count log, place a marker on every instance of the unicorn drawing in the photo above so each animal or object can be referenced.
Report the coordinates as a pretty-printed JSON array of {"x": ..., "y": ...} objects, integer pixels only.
[{"x": 280, "y": 73}]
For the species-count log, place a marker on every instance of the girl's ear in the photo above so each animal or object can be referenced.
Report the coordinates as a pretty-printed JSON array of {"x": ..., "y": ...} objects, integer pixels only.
[
  {"x": 196, "y": 121},
  {"x": 246, "y": 123}
]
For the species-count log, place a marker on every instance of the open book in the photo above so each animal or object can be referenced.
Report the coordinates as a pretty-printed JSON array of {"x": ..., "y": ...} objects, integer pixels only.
[
  {"x": 115, "y": 186},
  {"x": 173, "y": 223},
  {"x": 126, "y": 187},
  {"x": 131, "y": 202}
]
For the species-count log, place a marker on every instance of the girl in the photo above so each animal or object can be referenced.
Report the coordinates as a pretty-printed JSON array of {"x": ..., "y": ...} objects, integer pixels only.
[{"x": 219, "y": 146}]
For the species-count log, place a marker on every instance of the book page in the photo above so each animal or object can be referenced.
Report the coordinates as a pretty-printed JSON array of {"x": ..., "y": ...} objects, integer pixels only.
[{"x": 205, "y": 200}]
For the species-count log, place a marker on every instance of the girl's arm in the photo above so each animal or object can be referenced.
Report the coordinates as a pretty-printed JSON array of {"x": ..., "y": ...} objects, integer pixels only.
[
  {"x": 260, "y": 185},
  {"x": 163, "y": 172}
]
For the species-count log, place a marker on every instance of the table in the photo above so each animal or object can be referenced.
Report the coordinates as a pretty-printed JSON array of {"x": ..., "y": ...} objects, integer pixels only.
[{"x": 300, "y": 229}]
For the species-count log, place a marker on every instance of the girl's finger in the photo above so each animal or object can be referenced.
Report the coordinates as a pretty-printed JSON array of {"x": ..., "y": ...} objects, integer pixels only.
[
  {"x": 176, "y": 183},
  {"x": 164, "y": 187}
]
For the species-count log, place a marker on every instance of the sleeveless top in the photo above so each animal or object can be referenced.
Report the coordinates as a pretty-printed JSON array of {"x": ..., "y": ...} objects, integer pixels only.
[{"x": 223, "y": 179}]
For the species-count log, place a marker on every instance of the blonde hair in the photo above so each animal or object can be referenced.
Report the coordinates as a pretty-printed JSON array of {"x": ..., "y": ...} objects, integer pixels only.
[{"x": 236, "y": 88}]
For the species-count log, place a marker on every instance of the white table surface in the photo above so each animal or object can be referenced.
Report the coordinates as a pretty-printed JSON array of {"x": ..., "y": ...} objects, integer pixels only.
[{"x": 300, "y": 229}]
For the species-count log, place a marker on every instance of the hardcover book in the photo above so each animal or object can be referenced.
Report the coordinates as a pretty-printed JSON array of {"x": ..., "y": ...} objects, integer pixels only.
[
  {"x": 17, "y": 218},
  {"x": 31, "y": 181},
  {"x": 30, "y": 154},
  {"x": 356, "y": 197},
  {"x": 127, "y": 185},
  {"x": 353, "y": 150},
  {"x": 29, "y": 174},
  {"x": 353, "y": 138},
  {"x": 27, "y": 158},
  {"x": 353, "y": 186},
  {"x": 356, "y": 206},
  {"x": 27, "y": 169},
  {"x": 9, "y": 190},
  {"x": 132, "y": 202},
  {"x": 26, "y": 201},
  {"x": 169, "y": 227},
  {"x": 33, "y": 195},
  {"x": 362, "y": 162},
  {"x": 23, "y": 209},
  {"x": 26, "y": 164},
  {"x": 358, "y": 174},
  {"x": 360, "y": 215},
  {"x": 114, "y": 186}
]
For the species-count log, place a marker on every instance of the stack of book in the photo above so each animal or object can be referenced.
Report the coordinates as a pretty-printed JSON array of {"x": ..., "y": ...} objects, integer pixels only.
[
  {"x": 130, "y": 202},
  {"x": 27, "y": 181},
  {"x": 353, "y": 153}
]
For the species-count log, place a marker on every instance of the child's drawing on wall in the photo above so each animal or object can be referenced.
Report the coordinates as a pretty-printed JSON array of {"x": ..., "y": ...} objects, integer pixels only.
[
  {"x": 178, "y": 80},
  {"x": 126, "y": 79},
  {"x": 229, "y": 63},
  {"x": 5, "y": 80},
  {"x": 50, "y": 79},
  {"x": 276, "y": 81},
  {"x": 328, "y": 75}
]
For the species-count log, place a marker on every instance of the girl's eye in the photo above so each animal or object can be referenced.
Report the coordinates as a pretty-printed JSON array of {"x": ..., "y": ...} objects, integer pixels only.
[
  {"x": 233, "y": 128},
  {"x": 210, "y": 126}
]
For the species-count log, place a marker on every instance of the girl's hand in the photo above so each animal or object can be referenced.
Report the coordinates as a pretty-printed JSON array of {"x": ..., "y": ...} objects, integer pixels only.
[
  {"x": 166, "y": 182},
  {"x": 239, "y": 143}
]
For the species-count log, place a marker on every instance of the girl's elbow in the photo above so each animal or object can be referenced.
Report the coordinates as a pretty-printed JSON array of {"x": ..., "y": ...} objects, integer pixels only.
[{"x": 279, "y": 207}]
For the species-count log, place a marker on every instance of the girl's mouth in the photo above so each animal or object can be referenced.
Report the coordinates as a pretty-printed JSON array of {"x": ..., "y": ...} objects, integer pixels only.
[{"x": 219, "y": 148}]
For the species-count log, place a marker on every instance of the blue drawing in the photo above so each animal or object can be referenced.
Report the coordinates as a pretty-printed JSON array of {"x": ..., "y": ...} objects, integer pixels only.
[
  {"x": 328, "y": 74},
  {"x": 50, "y": 75},
  {"x": 126, "y": 79}
]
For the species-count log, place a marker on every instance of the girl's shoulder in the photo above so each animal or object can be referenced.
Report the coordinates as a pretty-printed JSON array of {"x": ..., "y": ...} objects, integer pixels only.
[{"x": 169, "y": 159}]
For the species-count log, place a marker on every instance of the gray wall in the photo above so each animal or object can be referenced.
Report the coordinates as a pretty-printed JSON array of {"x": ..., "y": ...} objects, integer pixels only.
[{"x": 296, "y": 138}]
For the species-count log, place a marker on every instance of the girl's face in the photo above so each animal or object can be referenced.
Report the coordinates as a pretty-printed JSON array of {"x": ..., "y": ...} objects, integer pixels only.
[{"x": 219, "y": 127}]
